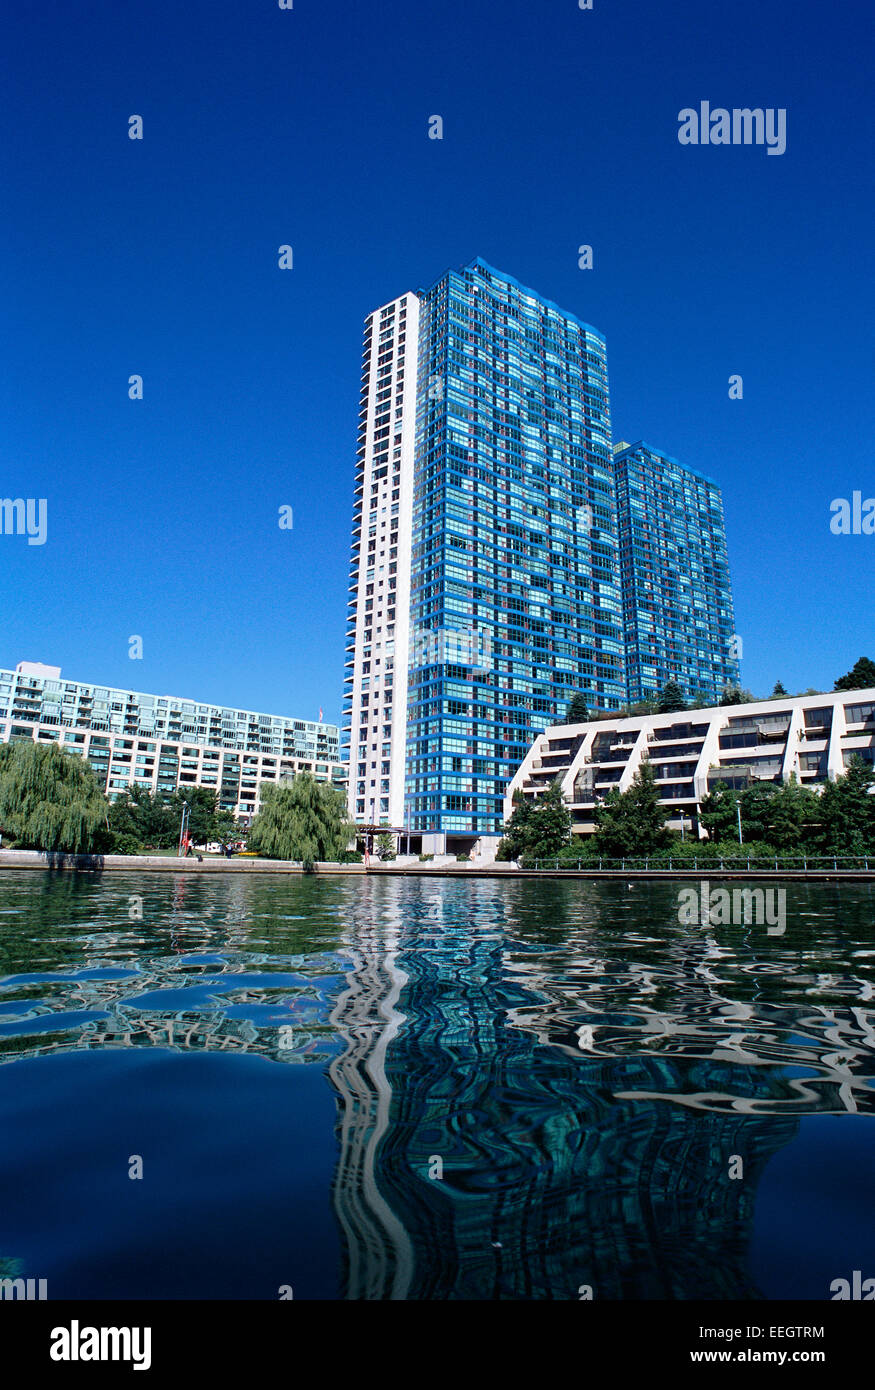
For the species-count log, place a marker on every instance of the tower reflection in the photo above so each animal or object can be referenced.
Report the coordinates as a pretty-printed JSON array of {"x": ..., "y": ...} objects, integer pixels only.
[{"x": 485, "y": 1154}]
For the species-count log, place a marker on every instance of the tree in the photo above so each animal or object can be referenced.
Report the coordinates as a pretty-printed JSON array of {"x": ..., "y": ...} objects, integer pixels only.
[
  {"x": 735, "y": 695},
  {"x": 790, "y": 816},
  {"x": 632, "y": 822},
  {"x": 50, "y": 798},
  {"x": 302, "y": 819},
  {"x": 639, "y": 707},
  {"x": 517, "y": 830},
  {"x": 860, "y": 677},
  {"x": 385, "y": 847},
  {"x": 577, "y": 712},
  {"x": 718, "y": 813},
  {"x": 121, "y": 820},
  {"x": 141, "y": 817},
  {"x": 158, "y": 823},
  {"x": 551, "y": 821},
  {"x": 537, "y": 828},
  {"x": 671, "y": 700},
  {"x": 783, "y": 817},
  {"x": 755, "y": 801},
  {"x": 847, "y": 811},
  {"x": 779, "y": 692},
  {"x": 227, "y": 826},
  {"x": 206, "y": 821},
  {"x": 153, "y": 820}
]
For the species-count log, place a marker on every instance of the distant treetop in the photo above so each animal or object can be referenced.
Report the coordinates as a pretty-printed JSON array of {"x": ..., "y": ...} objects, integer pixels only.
[
  {"x": 734, "y": 695},
  {"x": 671, "y": 699},
  {"x": 860, "y": 677},
  {"x": 578, "y": 712}
]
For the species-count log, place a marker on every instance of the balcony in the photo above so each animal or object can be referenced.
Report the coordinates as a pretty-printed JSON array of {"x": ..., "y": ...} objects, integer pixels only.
[
  {"x": 764, "y": 771},
  {"x": 584, "y": 797}
]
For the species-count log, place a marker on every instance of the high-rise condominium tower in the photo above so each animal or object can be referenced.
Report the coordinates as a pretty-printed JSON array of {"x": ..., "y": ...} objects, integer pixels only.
[
  {"x": 484, "y": 579},
  {"x": 677, "y": 600}
]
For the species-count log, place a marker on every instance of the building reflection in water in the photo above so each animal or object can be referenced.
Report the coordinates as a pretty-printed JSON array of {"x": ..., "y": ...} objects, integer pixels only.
[
  {"x": 189, "y": 979},
  {"x": 583, "y": 1073},
  {"x": 380, "y": 1262},
  {"x": 573, "y": 1153}
]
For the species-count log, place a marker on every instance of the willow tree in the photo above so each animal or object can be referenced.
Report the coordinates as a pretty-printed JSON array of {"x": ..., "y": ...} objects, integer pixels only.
[
  {"x": 301, "y": 819},
  {"x": 50, "y": 799}
]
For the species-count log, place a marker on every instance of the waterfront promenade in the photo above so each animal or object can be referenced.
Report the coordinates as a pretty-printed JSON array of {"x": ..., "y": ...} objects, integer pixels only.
[
  {"x": 128, "y": 863},
  {"x": 157, "y": 863}
]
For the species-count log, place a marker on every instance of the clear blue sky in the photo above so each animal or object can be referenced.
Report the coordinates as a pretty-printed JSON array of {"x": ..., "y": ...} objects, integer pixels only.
[{"x": 309, "y": 127}]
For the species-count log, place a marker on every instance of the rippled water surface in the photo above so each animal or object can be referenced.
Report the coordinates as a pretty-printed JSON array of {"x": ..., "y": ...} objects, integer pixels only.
[{"x": 431, "y": 1089}]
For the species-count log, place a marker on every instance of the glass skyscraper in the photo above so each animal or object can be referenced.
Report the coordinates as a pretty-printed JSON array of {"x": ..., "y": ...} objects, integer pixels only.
[
  {"x": 677, "y": 599},
  {"x": 485, "y": 579}
]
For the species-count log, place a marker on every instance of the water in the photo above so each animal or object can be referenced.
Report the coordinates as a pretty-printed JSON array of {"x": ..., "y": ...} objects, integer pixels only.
[{"x": 431, "y": 1089}]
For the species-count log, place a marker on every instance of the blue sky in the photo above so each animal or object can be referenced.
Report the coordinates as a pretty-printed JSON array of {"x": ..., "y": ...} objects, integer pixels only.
[{"x": 309, "y": 127}]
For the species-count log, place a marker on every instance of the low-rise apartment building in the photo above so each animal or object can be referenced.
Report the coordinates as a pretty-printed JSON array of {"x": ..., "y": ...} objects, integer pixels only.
[
  {"x": 162, "y": 741},
  {"x": 811, "y": 737}
]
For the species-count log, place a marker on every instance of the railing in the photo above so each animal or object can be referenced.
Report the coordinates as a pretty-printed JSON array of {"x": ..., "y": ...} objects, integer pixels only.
[{"x": 751, "y": 862}]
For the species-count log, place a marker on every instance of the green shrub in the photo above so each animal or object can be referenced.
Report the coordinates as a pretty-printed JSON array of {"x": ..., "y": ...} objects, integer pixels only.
[
  {"x": 125, "y": 844},
  {"x": 686, "y": 852},
  {"x": 756, "y": 849},
  {"x": 580, "y": 850}
]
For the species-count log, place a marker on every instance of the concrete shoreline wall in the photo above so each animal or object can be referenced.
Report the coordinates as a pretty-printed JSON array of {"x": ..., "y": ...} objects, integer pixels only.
[
  {"x": 114, "y": 863},
  {"x": 98, "y": 863}
]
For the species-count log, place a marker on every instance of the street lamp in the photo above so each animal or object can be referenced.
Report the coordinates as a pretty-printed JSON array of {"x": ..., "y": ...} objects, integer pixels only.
[
  {"x": 186, "y": 815},
  {"x": 738, "y": 813}
]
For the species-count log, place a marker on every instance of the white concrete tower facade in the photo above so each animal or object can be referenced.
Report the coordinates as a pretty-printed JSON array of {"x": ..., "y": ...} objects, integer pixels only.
[{"x": 378, "y": 625}]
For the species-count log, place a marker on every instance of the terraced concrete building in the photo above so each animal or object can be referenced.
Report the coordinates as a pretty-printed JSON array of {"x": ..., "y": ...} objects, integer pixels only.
[{"x": 811, "y": 737}]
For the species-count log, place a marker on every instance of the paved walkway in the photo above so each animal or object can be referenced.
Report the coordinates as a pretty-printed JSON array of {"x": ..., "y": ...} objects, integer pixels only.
[{"x": 131, "y": 863}]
